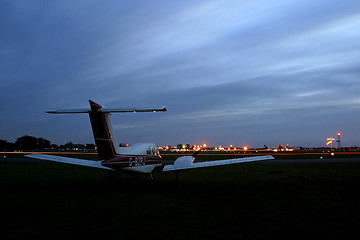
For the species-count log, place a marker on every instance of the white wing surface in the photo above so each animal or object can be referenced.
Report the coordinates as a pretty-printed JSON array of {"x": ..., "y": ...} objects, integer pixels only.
[
  {"x": 75, "y": 161},
  {"x": 187, "y": 162}
]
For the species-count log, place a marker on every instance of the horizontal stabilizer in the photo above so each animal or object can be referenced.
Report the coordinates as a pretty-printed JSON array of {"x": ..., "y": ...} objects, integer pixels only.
[
  {"x": 110, "y": 110},
  {"x": 186, "y": 162},
  {"x": 75, "y": 161}
]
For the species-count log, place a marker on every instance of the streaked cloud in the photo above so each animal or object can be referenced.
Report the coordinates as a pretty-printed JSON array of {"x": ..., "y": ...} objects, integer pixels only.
[{"x": 227, "y": 70}]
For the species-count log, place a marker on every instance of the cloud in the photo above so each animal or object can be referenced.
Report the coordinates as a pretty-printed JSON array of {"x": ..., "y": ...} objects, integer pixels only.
[{"x": 223, "y": 68}]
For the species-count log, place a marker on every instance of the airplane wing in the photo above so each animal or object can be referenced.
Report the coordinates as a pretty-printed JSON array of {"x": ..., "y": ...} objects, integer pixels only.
[
  {"x": 75, "y": 161},
  {"x": 187, "y": 162}
]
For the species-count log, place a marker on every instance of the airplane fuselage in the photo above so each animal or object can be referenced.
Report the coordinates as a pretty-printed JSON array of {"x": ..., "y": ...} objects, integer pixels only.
[{"x": 135, "y": 163}]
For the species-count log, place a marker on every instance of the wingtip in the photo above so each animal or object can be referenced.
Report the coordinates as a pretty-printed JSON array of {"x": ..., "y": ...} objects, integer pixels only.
[{"x": 51, "y": 112}]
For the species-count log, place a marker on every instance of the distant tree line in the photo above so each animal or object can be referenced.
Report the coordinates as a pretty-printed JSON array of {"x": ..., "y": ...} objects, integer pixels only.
[
  {"x": 27, "y": 143},
  {"x": 30, "y": 143}
]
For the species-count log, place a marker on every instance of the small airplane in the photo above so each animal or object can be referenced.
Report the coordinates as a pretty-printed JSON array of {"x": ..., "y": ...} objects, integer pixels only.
[{"x": 140, "y": 158}]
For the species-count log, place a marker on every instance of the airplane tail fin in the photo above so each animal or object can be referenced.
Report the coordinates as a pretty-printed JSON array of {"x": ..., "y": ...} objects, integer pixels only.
[
  {"x": 104, "y": 136},
  {"x": 103, "y": 132}
]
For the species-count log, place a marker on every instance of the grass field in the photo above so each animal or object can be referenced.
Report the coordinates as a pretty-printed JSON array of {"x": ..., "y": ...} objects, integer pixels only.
[{"x": 246, "y": 201}]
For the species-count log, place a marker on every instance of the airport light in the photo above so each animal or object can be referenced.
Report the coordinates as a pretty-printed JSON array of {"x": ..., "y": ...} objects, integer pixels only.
[
  {"x": 245, "y": 148},
  {"x": 338, "y": 139},
  {"x": 330, "y": 140}
]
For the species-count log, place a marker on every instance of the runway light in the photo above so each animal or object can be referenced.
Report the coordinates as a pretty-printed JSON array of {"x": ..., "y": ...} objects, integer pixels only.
[{"x": 332, "y": 154}]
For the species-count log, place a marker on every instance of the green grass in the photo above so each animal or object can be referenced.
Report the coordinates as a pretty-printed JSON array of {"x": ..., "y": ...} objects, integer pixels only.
[{"x": 246, "y": 201}]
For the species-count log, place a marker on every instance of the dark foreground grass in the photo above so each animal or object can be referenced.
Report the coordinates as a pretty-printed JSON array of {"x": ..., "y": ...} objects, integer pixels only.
[{"x": 249, "y": 201}]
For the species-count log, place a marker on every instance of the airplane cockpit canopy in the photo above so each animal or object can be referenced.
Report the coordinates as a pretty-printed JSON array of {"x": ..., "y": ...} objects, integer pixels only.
[
  {"x": 152, "y": 150},
  {"x": 141, "y": 149}
]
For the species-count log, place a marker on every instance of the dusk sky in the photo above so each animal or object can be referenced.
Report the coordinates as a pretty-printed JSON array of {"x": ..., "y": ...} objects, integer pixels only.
[{"x": 229, "y": 72}]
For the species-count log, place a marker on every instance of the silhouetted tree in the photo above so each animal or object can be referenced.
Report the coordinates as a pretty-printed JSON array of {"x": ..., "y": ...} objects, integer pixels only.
[
  {"x": 43, "y": 143},
  {"x": 90, "y": 146},
  {"x": 31, "y": 143},
  {"x": 6, "y": 146},
  {"x": 54, "y": 146},
  {"x": 26, "y": 143}
]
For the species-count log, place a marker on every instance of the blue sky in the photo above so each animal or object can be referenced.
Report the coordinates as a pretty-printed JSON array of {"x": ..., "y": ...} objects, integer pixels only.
[{"x": 229, "y": 72}]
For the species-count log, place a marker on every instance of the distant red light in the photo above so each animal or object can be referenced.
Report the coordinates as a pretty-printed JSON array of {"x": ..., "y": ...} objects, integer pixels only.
[{"x": 339, "y": 133}]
